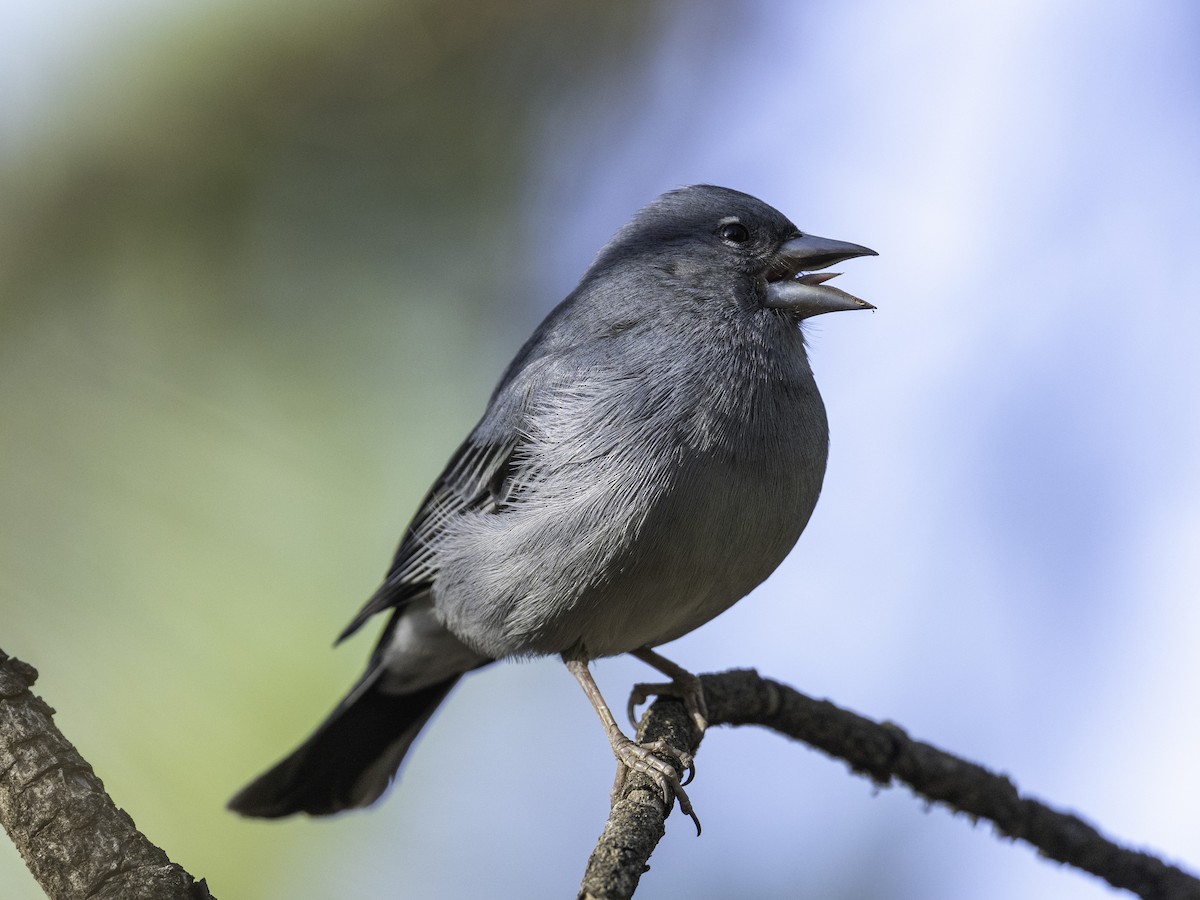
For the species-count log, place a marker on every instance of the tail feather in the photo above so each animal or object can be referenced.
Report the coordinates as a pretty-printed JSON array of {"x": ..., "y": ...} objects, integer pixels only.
[{"x": 351, "y": 758}]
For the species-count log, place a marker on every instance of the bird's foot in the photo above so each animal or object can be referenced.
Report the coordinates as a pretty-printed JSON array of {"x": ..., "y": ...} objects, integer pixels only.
[
  {"x": 683, "y": 685},
  {"x": 634, "y": 757}
]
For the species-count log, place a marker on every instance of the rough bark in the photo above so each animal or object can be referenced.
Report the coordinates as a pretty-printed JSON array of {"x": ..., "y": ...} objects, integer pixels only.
[
  {"x": 882, "y": 752},
  {"x": 78, "y": 844},
  {"x": 74, "y": 839}
]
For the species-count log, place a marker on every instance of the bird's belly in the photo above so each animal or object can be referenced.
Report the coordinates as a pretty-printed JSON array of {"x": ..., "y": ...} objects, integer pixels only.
[
  {"x": 609, "y": 554},
  {"x": 698, "y": 553}
]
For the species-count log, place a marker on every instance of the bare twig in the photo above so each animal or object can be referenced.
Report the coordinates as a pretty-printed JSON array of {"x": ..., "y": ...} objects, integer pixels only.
[
  {"x": 76, "y": 842},
  {"x": 882, "y": 752},
  {"x": 79, "y": 845}
]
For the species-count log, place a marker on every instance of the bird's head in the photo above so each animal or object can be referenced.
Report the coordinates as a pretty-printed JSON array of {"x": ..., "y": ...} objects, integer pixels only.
[{"x": 704, "y": 232}]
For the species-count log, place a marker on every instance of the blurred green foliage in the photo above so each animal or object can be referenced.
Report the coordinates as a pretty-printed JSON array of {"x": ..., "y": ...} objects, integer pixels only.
[{"x": 259, "y": 274}]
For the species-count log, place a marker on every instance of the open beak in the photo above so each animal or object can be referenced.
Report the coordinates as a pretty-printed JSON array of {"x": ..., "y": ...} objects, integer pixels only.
[{"x": 794, "y": 286}]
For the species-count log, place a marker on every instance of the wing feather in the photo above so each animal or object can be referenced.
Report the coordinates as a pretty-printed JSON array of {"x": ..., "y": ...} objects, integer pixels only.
[{"x": 475, "y": 478}]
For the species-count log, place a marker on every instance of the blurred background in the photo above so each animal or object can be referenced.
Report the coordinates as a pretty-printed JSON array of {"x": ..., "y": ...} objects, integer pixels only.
[{"x": 261, "y": 264}]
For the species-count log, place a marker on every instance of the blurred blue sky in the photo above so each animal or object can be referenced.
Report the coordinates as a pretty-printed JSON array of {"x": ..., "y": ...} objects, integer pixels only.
[{"x": 1005, "y": 558}]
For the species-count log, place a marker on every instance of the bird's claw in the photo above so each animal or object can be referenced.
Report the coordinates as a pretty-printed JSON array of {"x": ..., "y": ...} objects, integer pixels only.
[
  {"x": 635, "y": 757},
  {"x": 687, "y": 689}
]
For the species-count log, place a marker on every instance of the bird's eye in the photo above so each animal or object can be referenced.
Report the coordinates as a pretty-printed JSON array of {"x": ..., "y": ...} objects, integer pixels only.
[{"x": 735, "y": 232}]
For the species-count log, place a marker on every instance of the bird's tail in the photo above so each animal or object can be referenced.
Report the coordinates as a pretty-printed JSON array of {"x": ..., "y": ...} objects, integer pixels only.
[{"x": 350, "y": 759}]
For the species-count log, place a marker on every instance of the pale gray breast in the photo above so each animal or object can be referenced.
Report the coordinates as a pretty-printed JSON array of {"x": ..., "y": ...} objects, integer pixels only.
[
  {"x": 734, "y": 513},
  {"x": 640, "y": 512}
]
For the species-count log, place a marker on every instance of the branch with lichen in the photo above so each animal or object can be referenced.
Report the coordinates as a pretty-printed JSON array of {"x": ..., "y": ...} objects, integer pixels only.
[
  {"x": 885, "y": 754},
  {"x": 74, "y": 839},
  {"x": 77, "y": 843}
]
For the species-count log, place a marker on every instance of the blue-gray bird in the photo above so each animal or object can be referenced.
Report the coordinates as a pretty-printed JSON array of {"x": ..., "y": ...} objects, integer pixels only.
[{"x": 648, "y": 458}]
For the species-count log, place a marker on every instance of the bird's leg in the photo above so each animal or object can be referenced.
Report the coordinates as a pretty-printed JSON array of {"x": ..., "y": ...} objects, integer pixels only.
[
  {"x": 632, "y": 756},
  {"x": 683, "y": 684}
]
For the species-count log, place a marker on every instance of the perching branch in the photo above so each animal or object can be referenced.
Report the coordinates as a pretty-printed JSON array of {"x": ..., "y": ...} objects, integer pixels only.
[
  {"x": 883, "y": 753},
  {"x": 74, "y": 839},
  {"x": 79, "y": 845}
]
